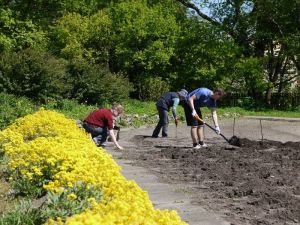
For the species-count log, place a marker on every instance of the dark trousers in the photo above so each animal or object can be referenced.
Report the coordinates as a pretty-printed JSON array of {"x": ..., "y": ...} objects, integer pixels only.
[
  {"x": 162, "y": 123},
  {"x": 99, "y": 134}
]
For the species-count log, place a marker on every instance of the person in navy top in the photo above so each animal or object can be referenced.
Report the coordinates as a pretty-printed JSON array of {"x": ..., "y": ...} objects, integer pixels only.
[
  {"x": 201, "y": 97},
  {"x": 163, "y": 105}
]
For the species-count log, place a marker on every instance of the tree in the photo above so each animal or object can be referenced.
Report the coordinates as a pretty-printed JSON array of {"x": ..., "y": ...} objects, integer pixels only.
[
  {"x": 83, "y": 37},
  {"x": 17, "y": 35},
  {"x": 144, "y": 40},
  {"x": 202, "y": 50},
  {"x": 261, "y": 29}
]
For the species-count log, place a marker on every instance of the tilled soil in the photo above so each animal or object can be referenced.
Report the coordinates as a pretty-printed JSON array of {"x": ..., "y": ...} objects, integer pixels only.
[{"x": 257, "y": 183}]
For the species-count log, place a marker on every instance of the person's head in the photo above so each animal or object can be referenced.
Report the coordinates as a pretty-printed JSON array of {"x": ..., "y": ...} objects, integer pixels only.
[
  {"x": 117, "y": 109},
  {"x": 218, "y": 93},
  {"x": 182, "y": 94}
]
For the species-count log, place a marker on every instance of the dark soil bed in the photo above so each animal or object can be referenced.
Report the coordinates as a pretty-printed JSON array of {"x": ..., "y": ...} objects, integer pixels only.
[{"x": 257, "y": 183}]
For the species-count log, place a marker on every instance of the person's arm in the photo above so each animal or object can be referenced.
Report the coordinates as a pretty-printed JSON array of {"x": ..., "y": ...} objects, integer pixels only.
[
  {"x": 175, "y": 104},
  {"x": 215, "y": 120},
  {"x": 191, "y": 103},
  {"x": 113, "y": 138}
]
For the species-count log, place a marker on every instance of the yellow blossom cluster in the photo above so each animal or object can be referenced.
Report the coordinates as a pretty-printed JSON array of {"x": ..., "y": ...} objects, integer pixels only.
[{"x": 47, "y": 144}]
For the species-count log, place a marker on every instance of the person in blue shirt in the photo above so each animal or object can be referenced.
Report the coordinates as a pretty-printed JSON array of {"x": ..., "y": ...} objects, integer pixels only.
[
  {"x": 163, "y": 105},
  {"x": 196, "y": 99}
]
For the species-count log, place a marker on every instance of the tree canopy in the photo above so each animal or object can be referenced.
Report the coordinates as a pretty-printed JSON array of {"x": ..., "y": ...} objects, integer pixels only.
[{"x": 245, "y": 46}]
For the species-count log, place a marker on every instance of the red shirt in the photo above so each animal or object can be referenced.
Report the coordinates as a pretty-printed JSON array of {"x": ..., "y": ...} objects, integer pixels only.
[{"x": 100, "y": 118}]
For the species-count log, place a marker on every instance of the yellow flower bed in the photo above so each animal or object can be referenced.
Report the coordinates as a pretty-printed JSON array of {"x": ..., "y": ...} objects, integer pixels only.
[{"x": 48, "y": 141}]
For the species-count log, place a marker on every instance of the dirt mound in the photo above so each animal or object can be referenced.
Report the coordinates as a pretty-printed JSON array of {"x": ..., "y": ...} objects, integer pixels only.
[{"x": 258, "y": 183}]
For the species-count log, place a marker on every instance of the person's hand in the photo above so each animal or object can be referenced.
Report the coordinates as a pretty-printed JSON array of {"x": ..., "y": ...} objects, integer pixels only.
[
  {"x": 217, "y": 129},
  {"x": 196, "y": 116},
  {"x": 176, "y": 121},
  {"x": 120, "y": 147},
  {"x": 194, "y": 113}
]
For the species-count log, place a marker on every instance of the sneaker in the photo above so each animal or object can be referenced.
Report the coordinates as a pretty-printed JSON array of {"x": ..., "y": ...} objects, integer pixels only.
[
  {"x": 103, "y": 144},
  {"x": 95, "y": 141},
  {"x": 204, "y": 145},
  {"x": 197, "y": 147}
]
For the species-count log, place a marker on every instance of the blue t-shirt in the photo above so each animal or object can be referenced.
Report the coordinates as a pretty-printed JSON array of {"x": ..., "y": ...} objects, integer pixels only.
[{"x": 203, "y": 98}]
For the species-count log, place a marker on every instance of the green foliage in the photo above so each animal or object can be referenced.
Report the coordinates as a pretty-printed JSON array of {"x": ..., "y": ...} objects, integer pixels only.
[
  {"x": 144, "y": 39},
  {"x": 36, "y": 75},
  {"x": 246, "y": 76},
  {"x": 68, "y": 36},
  {"x": 260, "y": 30},
  {"x": 152, "y": 88},
  {"x": 94, "y": 84},
  {"x": 70, "y": 108},
  {"x": 99, "y": 43},
  {"x": 77, "y": 37},
  {"x": 71, "y": 201},
  {"x": 24, "y": 214},
  {"x": 26, "y": 187},
  {"x": 13, "y": 107},
  {"x": 132, "y": 106},
  {"x": 201, "y": 51},
  {"x": 19, "y": 34}
]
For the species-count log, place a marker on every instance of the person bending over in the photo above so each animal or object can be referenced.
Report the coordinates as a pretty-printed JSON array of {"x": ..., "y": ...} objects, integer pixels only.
[
  {"x": 194, "y": 100},
  {"x": 163, "y": 105},
  {"x": 101, "y": 122}
]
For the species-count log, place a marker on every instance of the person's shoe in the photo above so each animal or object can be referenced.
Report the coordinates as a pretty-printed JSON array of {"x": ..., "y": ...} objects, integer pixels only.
[
  {"x": 96, "y": 142},
  {"x": 197, "y": 147},
  {"x": 103, "y": 145},
  {"x": 153, "y": 136},
  {"x": 164, "y": 136},
  {"x": 204, "y": 145}
]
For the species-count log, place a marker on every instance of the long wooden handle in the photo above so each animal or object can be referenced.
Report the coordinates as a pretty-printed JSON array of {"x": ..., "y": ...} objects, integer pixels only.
[{"x": 201, "y": 120}]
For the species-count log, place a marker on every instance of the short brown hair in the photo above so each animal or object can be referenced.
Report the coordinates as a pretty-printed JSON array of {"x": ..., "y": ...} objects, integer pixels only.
[
  {"x": 220, "y": 91},
  {"x": 118, "y": 107}
]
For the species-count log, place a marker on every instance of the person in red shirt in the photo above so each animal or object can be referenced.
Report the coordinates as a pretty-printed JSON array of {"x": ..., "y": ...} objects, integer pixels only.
[{"x": 100, "y": 122}]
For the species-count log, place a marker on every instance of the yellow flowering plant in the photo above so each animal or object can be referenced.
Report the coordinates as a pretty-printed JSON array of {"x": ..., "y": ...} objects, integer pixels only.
[
  {"x": 70, "y": 201},
  {"x": 49, "y": 148}
]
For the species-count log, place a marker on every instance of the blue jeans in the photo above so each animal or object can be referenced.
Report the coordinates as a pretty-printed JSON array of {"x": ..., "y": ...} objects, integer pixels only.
[
  {"x": 162, "y": 123},
  {"x": 99, "y": 134}
]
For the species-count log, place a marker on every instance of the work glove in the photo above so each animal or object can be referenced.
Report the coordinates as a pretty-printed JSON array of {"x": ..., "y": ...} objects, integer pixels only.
[
  {"x": 195, "y": 115},
  {"x": 217, "y": 129},
  {"x": 176, "y": 121}
]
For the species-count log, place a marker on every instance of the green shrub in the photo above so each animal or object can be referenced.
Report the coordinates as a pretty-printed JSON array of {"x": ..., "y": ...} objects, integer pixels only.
[
  {"x": 34, "y": 74},
  {"x": 30, "y": 188},
  {"x": 24, "y": 214},
  {"x": 70, "y": 108},
  {"x": 13, "y": 107},
  {"x": 94, "y": 84},
  {"x": 152, "y": 88},
  {"x": 71, "y": 201}
]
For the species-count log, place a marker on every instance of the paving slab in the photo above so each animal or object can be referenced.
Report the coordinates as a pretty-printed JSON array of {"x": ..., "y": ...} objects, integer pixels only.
[{"x": 167, "y": 196}]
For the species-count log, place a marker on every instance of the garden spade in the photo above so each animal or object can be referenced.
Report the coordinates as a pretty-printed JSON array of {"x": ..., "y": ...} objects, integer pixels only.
[{"x": 232, "y": 141}]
